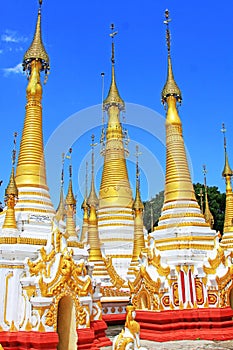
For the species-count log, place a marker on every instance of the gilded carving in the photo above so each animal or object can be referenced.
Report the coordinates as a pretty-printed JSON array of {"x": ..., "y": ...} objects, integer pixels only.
[
  {"x": 50, "y": 319},
  {"x": 214, "y": 263},
  {"x": 175, "y": 294},
  {"x": 116, "y": 280},
  {"x": 223, "y": 299},
  {"x": 112, "y": 292},
  {"x": 10, "y": 274},
  {"x": 82, "y": 316},
  {"x": 166, "y": 300},
  {"x": 69, "y": 275},
  {"x": 41, "y": 267},
  {"x": 162, "y": 271},
  {"x": 212, "y": 298},
  {"x": 199, "y": 291}
]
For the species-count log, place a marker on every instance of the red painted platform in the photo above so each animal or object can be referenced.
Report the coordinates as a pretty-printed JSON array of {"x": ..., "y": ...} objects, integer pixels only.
[
  {"x": 88, "y": 339},
  {"x": 191, "y": 324},
  {"x": 29, "y": 340},
  {"x": 94, "y": 337},
  {"x": 114, "y": 318}
]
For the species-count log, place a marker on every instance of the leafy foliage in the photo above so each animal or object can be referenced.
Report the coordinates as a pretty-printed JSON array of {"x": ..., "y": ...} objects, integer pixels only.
[
  {"x": 217, "y": 202},
  {"x": 152, "y": 210}
]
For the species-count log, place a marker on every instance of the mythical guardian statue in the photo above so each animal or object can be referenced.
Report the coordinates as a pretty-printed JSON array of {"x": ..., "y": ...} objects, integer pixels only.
[{"x": 129, "y": 338}]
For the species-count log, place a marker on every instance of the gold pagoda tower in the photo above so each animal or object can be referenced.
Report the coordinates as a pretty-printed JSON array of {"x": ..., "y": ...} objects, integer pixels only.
[
  {"x": 227, "y": 238},
  {"x": 48, "y": 300},
  {"x": 138, "y": 208},
  {"x": 183, "y": 289},
  {"x": 115, "y": 216},
  {"x": 181, "y": 226},
  {"x": 11, "y": 197},
  {"x": 34, "y": 208}
]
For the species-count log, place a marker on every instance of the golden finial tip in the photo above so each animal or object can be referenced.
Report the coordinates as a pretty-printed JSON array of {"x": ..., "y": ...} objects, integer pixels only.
[
  {"x": 12, "y": 188},
  {"x": 70, "y": 198},
  {"x": 37, "y": 51},
  {"x": 227, "y": 169},
  {"x": 113, "y": 94},
  {"x": 170, "y": 88}
]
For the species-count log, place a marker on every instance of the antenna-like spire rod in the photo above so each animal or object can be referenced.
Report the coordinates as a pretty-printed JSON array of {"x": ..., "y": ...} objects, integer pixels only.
[
  {"x": 168, "y": 34},
  {"x": 137, "y": 205},
  {"x": 102, "y": 96},
  {"x": 14, "y": 149},
  {"x": 93, "y": 144},
  {"x": 92, "y": 199},
  {"x": 62, "y": 169},
  {"x": 86, "y": 180},
  {"x": 70, "y": 166},
  {"x": 224, "y": 136},
  {"x": 204, "y": 173},
  {"x": 137, "y": 154},
  {"x": 112, "y": 35}
]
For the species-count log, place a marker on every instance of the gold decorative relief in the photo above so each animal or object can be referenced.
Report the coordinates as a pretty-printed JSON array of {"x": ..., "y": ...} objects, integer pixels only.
[
  {"x": 162, "y": 271},
  {"x": 214, "y": 263},
  {"x": 116, "y": 280}
]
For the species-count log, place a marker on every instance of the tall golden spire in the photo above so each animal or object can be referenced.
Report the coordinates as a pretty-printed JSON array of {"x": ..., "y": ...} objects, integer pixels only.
[
  {"x": 138, "y": 208},
  {"x": 60, "y": 212},
  {"x": 11, "y": 195},
  {"x": 92, "y": 201},
  {"x": 180, "y": 212},
  {"x": 92, "y": 198},
  {"x": 31, "y": 165},
  {"x": 115, "y": 188},
  {"x": 227, "y": 239},
  {"x": 85, "y": 209},
  {"x": 115, "y": 216},
  {"x": 207, "y": 215},
  {"x": 70, "y": 207},
  {"x": 178, "y": 181},
  {"x": 93, "y": 236}
]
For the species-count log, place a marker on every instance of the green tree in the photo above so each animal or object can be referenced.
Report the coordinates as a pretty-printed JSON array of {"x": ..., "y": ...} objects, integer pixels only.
[
  {"x": 217, "y": 202},
  {"x": 152, "y": 210}
]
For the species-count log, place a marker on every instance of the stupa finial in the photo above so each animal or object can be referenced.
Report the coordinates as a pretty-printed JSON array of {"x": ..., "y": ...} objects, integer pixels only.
[
  {"x": 113, "y": 97},
  {"x": 170, "y": 88},
  {"x": 227, "y": 169},
  {"x": 37, "y": 50}
]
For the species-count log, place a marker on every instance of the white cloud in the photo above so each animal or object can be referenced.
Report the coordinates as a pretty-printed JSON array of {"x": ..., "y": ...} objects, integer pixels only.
[
  {"x": 18, "y": 69},
  {"x": 11, "y": 36}
]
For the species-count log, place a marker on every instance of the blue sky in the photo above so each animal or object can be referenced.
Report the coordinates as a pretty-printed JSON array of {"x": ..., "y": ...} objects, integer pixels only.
[{"x": 76, "y": 37}]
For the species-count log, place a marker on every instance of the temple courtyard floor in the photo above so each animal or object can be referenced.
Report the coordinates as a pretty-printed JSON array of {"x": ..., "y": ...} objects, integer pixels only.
[
  {"x": 175, "y": 345},
  {"x": 186, "y": 345}
]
